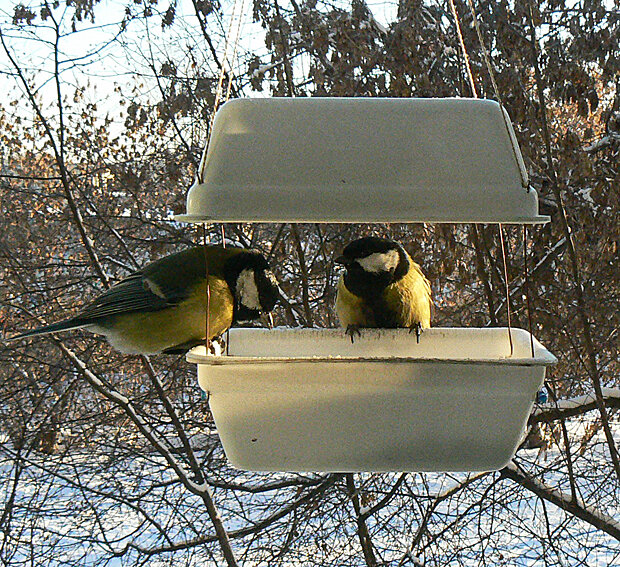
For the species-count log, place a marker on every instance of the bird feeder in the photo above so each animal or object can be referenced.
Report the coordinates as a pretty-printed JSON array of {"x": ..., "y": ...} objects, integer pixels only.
[
  {"x": 362, "y": 160},
  {"x": 308, "y": 399}
]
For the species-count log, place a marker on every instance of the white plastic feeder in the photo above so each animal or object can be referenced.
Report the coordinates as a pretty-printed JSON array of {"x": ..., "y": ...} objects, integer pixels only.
[
  {"x": 309, "y": 400},
  {"x": 362, "y": 160}
]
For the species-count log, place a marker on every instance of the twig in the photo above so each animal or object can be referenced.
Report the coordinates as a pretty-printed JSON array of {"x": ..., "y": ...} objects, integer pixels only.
[
  {"x": 576, "y": 508},
  {"x": 362, "y": 529},
  {"x": 573, "y": 407},
  {"x": 305, "y": 294},
  {"x": 200, "y": 489},
  {"x": 58, "y": 153}
]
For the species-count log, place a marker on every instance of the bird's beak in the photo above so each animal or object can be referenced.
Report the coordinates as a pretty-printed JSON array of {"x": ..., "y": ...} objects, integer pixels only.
[{"x": 341, "y": 260}]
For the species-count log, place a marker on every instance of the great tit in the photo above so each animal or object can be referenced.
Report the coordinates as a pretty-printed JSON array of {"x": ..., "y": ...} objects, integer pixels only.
[
  {"x": 162, "y": 307},
  {"x": 381, "y": 287}
]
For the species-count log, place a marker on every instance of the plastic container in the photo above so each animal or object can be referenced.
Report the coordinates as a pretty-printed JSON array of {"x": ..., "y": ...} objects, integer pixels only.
[
  {"x": 309, "y": 400},
  {"x": 362, "y": 160}
]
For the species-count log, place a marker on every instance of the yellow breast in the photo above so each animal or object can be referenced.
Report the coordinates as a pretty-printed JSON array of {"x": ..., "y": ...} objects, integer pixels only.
[
  {"x": 409, "y": 299},
  {"x": 351, "y": 309},
  {"x": 150, "y": 333}
]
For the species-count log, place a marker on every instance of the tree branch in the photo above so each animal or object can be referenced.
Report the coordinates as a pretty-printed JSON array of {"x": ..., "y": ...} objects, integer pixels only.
[
  {"x": 362, "y": 529},
  {"x": 59, "y": 155},
  {"x": 573, "y": 406},
  {"x": 243, "y": 532},
  {"x": 200, "y": 489},
  {"x": 574, "y": 260},
  {"x": 575, "y": 507}
]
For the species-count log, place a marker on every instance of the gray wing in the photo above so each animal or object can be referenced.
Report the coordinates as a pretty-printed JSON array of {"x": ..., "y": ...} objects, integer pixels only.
[{"x": 134, "y": 293}]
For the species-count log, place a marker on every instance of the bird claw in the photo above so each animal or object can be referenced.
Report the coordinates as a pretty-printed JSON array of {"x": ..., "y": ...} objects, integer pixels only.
[
  {"x": 351, "y": 331},
  {"x": 418, "y": 331}
]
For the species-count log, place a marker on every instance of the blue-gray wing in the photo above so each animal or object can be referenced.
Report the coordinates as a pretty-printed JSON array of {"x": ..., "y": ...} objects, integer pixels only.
[{"x": 134, "y": 293}]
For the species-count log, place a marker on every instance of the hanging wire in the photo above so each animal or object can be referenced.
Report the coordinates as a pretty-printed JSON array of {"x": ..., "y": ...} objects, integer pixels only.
[
  {"x": 527, "y": 289},
  {"x": 208, "y": 315},
  {"x": 228, "y": 89},
  {"x": 235, "y": 47},
  {"x": 487, "y": 61},
  {"x": 472, "y": 83},
  {"x": 220, "y": 83},
  {"x": 200, "y": 175},
  {"x": 459, "y": 33},
  {"x": 501, "y": 239}
]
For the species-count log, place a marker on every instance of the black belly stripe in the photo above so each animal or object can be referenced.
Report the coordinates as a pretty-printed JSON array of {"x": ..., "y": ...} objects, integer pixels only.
[{"x": 384, "y": 316}]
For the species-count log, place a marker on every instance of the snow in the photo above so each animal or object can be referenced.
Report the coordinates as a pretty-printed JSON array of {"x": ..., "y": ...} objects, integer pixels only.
[
  {"x": 586, "y": 195},
  {"x": 71, "y": 514},
  {"x": 262, "y": 69},
  {"x": 577, "y": 401}
]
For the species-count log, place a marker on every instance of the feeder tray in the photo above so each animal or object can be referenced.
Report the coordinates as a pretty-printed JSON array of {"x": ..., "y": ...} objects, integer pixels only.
[
  {"x": 362, "y": 160},
  {"x": 457, "y": 401}
]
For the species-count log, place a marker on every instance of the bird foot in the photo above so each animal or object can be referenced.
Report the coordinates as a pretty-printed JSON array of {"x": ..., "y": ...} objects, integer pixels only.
[
  {"x": 353, "y": 330},
  {"x": 418, "y": 331}
]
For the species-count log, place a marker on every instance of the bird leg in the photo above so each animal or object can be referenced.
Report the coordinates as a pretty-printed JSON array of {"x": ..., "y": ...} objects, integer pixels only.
[
  {"x": 353, "y": 330},
  {"x": 417, "y": 327}
]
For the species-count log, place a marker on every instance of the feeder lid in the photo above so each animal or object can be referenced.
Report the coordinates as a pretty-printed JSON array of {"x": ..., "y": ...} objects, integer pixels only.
[{"x": 362, "y": 160}]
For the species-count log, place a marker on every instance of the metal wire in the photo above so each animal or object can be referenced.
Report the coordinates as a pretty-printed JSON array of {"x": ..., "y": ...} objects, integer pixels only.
[
  {"x": 487, "y": 61},
  {"x": 501, "y": 239},
  {"x": 475, "y": 95},
  {"x": 527, "y": 289},
  {"x": 220, "y": 83},
  {"x": 208, "y": 289},
  {"x": 200, "y": 173},
  {"x": 459, "y": 33}
]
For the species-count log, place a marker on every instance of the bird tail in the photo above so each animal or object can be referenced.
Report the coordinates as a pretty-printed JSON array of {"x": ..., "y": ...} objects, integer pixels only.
[{"x": 53, "y": 328}]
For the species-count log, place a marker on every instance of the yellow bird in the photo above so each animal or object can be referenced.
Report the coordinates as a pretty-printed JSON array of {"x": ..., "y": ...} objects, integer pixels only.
[
  {"x": 162, "y": 307},
  {"x": 381, "y": 287}
]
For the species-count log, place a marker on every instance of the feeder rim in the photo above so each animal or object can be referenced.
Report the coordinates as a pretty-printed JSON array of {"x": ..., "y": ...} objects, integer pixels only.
[
  {"x": 544, "y": 359},
  {"x": 202, "y": 219}
]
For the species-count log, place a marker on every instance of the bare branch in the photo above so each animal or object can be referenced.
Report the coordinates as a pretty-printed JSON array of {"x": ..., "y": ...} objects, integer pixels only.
[{"x": 575, "y": 507}]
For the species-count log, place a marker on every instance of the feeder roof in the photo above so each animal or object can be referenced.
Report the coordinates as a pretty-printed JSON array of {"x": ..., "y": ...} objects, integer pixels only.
[{"x": 362, "y": 160}]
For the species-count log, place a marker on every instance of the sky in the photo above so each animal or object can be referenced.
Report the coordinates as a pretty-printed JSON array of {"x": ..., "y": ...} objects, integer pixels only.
[{"x": 92, "y": 57}]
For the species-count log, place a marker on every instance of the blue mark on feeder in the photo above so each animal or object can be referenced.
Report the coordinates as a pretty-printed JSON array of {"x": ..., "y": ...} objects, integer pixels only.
[{"x": 541, "y": 397}]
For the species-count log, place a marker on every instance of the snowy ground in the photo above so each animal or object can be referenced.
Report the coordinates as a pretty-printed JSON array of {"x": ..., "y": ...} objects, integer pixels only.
[{"x": 60, "y": 515}]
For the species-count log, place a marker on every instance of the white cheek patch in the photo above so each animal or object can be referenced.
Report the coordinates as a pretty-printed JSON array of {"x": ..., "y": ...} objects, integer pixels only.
[
  {"x": 247, "y": 292},
  {"x": 380, "y": 261}
]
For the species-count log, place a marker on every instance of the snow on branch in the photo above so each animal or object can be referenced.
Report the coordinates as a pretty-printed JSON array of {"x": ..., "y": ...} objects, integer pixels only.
[
  {"x": 262, "y": 69},
  {"x": 573, "y": 406},
  {"x": 200, "y": 489},
  {"x": 576, "y": 507}
]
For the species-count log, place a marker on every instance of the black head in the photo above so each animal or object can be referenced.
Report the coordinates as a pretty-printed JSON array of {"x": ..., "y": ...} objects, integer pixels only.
[
  {"x": 372, "y": 263},
  {"x": 253, "y": 285}
]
